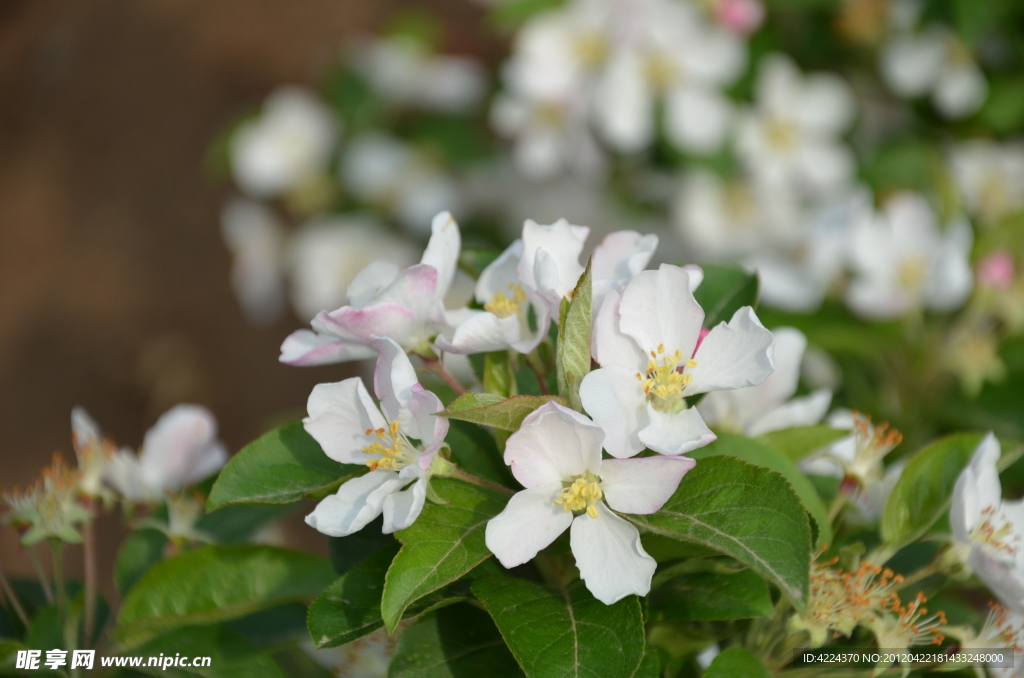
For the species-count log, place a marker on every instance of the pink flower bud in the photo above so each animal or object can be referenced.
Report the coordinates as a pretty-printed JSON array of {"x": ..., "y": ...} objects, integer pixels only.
[
  {"x": 740, "y": 16},
  {"x": 996, "y": 270}
]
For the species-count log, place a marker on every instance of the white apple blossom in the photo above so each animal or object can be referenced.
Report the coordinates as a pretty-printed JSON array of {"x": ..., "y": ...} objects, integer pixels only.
[
  {"x": 988, "y": 531},
  {"x": 257, "y": 243},
  {"x": 791, "y": 138},
  {"x": 404, "y": 72},
  {"x": 990, "y": 176},
  {"x": 327, "y": 253},
  {"x": 178, "y": 451},
  {"x": 391, "y": 175},
  {"x": 556, "y": 456},
  {"x": 769, "y": 406},
  {"x": 94, "y": 453},
  {"x": 937, "y": 63},
  {"x": 352, "y": 430},
  {"x": 291, "y": 142},
  {"x": 407, "y": 306},
  {"x": 647, "y": 341},
  {"x": 902, "y": 261}
]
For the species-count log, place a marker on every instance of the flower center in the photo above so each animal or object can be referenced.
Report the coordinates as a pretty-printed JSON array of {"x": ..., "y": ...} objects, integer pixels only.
[
  {"x": 911, "y": 273},
  {"x": 781, "y": 135},
  {"x": 591, "y": 49},
  {"x": 996, "y": 533},
  {"x": 664, "y": 381},
  {"x": 581, "y": 495},
  {"x": 661, "y": 71},
  {"x": 506, "y": 305},
  {"x": 393, "y": 447}
]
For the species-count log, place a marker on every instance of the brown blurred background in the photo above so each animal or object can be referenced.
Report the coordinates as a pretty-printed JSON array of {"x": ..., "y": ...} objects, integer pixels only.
[{"x": 114, "y": 289}]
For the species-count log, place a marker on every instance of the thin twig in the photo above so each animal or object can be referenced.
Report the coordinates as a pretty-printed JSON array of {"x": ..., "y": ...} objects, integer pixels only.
[
  {"x": 44, "y": 581},
  {"x": 11, "y": 596},
  {"x": 89, "y": 555},
  {"x": 439, "y": 370},
  {"x": 469, "y": 478}
]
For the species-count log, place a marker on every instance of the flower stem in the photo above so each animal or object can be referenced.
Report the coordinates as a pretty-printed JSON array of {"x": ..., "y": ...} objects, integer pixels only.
[
  {"x": 15, "y": 603},
  {"x": 57, "y": 549},
  {"x": 466, "y": 477},
  {"x": 837, "y": 505},
  {"x": 439, "y": 370},
  {"x": 89, "y": 555},
  {"x": 536, "y": 364},
  {"x": 44, "y": 581}
]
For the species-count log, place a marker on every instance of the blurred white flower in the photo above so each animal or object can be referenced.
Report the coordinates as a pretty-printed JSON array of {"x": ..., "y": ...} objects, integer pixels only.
[
  {"x": 326, "y": 254},
  {"x": 94, "y": 453},
  {"x": 653, "y": 354},
  {"x": 351, "y": 429},
  {"x": 990, "y": 176},
  {"x": 387, "y": 173},
  {"x": 902, "y": 261},
  {"x": 367, "y": 657},
  {"x": 935, "y": 62},
  {"x": 556, "y": 456},
  {"x": 291, "y": 142},
  {"x": 256, "y": 241},
  {"x": 383, "y": 300},
  {"x": 792, "y": 135},
  {"x": 404, "y": 72},
  {"x": 180, "y": 450},
  {"x": 769, "y": 406}
]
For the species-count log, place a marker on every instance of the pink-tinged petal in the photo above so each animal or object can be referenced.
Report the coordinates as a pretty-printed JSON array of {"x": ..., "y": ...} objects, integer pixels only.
[
  {"x": 374, "y": 277},
  {"x": 482, "y": 332},
  {"x": 339, "y": 416},
  {"x": 676, "y": 433},
  {"x": 658, "y": 308},
  {"x": 622, "y": 255},
  {"x": 303, "y": 348},
  {"x": 553, "y": 444},
  {"x": 610, "y": 557},
  {"x": 393, "y": 381},
  {"x": 608, "y": 344},
  {"x": 356, "y": 503},
  {"x": 530, "y": 521},
  {"x": 382, "y": 320},
  {"x": 430, "y": 429},
  {"x": 734, "y": 355},
  {"x": 805, "y": 411},
  {"x": 615, "y": 400},
  {"x": 402, "y": 508},
  {"x": 181, "y": 448},
  {"x": 643, "y": 485},
  {"x": 442, "y": 251},
  {"x": 415, "y": 288}
]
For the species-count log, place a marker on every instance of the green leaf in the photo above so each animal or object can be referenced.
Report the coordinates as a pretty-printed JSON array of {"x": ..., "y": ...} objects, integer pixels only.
[
  {"x": 459, "y": 641},
  {"x": 140, "y": 551},
  {"x": 726, "y": 288},
  {"x": 762, "y": 455},
  {"x": 745, "y": 511},
  {"x": 230, "y": 654},
  {"x": 280, "y": 467},
  {"x": 215, "y": 584},
  {"x": 499, "y": 377},
  {"x": 488, "y": 409},
  {"x": 296, "y": 661},
  {"x": 650, "y": 667},
  {"x": 347, "y": 552},
  {"x": 238, "y": 524},
  {"x": 922, "y": 494},
  {"x": 444, "y": 543},
  {"x": 475, "y": 450},
  {"x": 555, "y": 633},
  {"x": 572, "y": 360},
  {"x": 735, "y": 662},
  {"x": 711, "y": 596},
  {"x": 798, "y": 442},
  {"x": 274, "y": 626},
  {"x": 350, "y": 607}
]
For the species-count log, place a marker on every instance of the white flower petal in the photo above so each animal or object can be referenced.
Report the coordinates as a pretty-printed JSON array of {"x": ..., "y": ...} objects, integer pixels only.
[
  {"x": 393, "y": 381},
  {"x": 642, "y": 485},
  {"x": 402, "y": 508},
  {"x": 697, "y": 119},
  {"x": 304, "y": 347},
  {"x": 181, "y": 448},
  {"x": 676, "y": 433},
  {"x": 806, "y": 411},
  {"x": 563, "y": 243},
  {"x": 339, "y": 416},
  {"x": 912, "y": 64},
  {"x": 553, "y": 444},
  {"x": 658, "y": 308},
  {"x": 610, "y": 557},
  {"x": 608, "y": 344},
  {"x": 960, "y": 91},
  {"x": 482, "y": 332},
  {"x": 624, "y": 104},
  {"x": 614, "y": 398},
  {"x": 430, "y": 429},
  {"x": 355, "y": 504},
  {"x": 733, "y": 355},
  {"x": 370, "y": 281},
  {"x": 443, "y": 251},
  {"x": 529, "y": 522},
  {"x": 622, "y": 255}
]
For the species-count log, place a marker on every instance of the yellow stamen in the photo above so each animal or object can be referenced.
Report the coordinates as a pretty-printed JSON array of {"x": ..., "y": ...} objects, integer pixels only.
[
  {"x": 581, "y": 495},
  {"x": 506, "y": 305},
  {"x": 664, "y": 381}
]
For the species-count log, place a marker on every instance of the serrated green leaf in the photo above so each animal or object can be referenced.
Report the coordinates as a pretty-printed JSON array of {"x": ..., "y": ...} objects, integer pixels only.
[
  {"x": 650, "y": 667},
  {"x": 459, "y": 641},
  {"x": 555, "y": 633},
  {"x": 350, "y": 607},
  {"x": 798, "y": 442},
  {"x": 923, "y": 492},
  {"x": 725, "y": 289},
  {"x": 214, "y": 584},
  {"x": 499, "y": 377},
  {"x": 757, "y": 453},
  {"x": 280, "y": 467},
  {"x": 735, "y": 662},
  {"x": 492, "y": 410},
  {"x": 744, "y": 511},
  {"x": 231, "y": 655},
  {"x": 444, "y": 543},
  {"x": 140, "y": 551},
  {"x": 572, "y": 360},
  {"x": 711, "y": 596}
]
